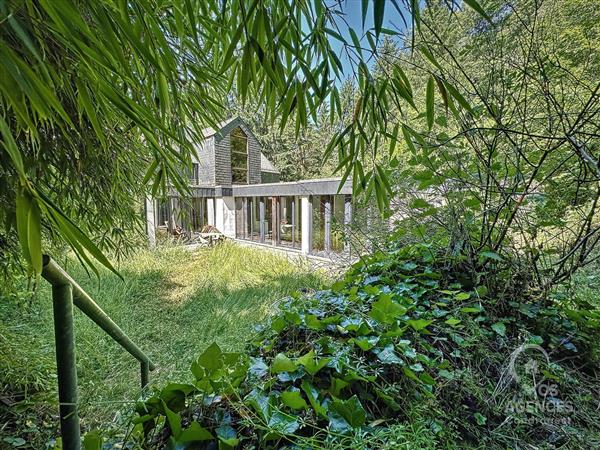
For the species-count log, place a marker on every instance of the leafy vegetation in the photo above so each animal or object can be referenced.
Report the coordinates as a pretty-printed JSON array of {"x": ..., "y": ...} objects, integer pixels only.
[
  {"x": 475, "y": 131},
  {"x": 400, "y": 338},
  {"x": 87, "y": 85},
  {"x": 174, "y": 303}
]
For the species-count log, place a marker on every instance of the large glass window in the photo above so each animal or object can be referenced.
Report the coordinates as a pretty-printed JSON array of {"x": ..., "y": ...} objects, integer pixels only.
[
  {"x": 163, "y": 212},
  {"x": 289, "y": 222},
  {"x": 198, "y": 214},
  {"x": 239, "y": 157},
  {"x": 338, "y": 228}
]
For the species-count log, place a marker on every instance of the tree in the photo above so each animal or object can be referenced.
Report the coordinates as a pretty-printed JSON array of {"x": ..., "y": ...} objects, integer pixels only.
[
  {"x": 508, "y": 169},
  {"x": 299, "y": 155},
  {"x": 101, "y": 89}
]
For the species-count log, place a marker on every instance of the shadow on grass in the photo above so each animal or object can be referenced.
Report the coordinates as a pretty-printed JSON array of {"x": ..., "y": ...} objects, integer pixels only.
[
  {"x": 173, "y": 305},
  {"x": 172, "y": 333}
]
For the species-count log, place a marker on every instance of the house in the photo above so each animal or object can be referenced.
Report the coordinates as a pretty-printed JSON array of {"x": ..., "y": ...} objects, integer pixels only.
[{"x": 236, "y": 189}]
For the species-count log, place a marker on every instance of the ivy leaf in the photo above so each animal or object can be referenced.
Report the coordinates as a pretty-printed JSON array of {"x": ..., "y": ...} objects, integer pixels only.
[
  {"x": 311, "y": 364},
  {"x": 293, "y": 399},
  {"x": 366, "y": 342},
  {"x": 313, "y": 397},
  {"x": 350, "y": 411},
  {"x": 282, "y": 363},
  {"x": 283, "y": 423},
  {"x": 258, "y": 368},
  {"x": 278, "y": 324},
  {"x": 260, "y": 402},
  {"x": 452, "y": 322},
  {"x": 195, "y": 433},
  {"x": 174, "y": 420},
  {"x": 499, "y": 328},
  {"x": 419, "y": 324},
  {"x": 212, "y": 358},
  {"x": 410, "y": 374},
  {"x": 385, "y": 310},
  {"x": 387, "y": 355},
  {"x": 313, "y": 322},
  {"x": 426, "y": 378},
  {"x": 227, "y": 435}
]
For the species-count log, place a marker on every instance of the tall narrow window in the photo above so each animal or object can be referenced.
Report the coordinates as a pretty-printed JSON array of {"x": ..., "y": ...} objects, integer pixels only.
[{"x": 239, "y": 157}]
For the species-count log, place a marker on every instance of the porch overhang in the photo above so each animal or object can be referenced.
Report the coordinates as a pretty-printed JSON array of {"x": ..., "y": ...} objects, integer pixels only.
[{"x": 323, "y": 186}]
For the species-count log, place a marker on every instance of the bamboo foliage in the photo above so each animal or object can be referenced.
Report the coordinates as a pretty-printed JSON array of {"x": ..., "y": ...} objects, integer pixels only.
[{"x": 112, "y": 88}]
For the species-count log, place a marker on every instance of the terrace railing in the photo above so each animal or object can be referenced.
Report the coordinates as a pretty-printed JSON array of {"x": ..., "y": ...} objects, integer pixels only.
[{"x": 66, "y": 293}]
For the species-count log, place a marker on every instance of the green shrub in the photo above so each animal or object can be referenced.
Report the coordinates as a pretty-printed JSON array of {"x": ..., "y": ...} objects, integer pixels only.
[{"x": 398, "y": 345}]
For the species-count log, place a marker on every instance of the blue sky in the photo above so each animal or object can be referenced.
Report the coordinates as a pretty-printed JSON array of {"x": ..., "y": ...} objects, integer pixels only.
[{"x": 353, "y": 15}]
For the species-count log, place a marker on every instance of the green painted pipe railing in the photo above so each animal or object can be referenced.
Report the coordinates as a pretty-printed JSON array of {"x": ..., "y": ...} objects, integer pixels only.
[{"x": 66, "y": 293}]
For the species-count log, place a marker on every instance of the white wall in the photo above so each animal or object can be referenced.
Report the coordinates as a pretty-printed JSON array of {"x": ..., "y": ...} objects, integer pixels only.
[
  {"x": 150, "y": 225},
  {"x": 306, "y": 228},
  {"x": 225, "y": 215}
]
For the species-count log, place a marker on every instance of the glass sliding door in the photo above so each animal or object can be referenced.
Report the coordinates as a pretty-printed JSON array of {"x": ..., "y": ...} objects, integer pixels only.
[
  {"x": 239, "y": 218},
  {"x": 318, "y": 218},
  {"x": 297, "y": 222},
  {"x": 286, "y": 221},
  {"x": 198, "y": 214},
  {"x": 337, "y": 223}
]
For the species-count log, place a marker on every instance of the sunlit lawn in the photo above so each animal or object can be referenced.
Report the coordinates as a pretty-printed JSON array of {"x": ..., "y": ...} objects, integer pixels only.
[{"x": 173, "y": 304}]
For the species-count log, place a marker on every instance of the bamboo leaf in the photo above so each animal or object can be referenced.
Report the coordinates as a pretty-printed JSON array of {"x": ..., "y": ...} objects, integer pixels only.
[
  {"x": 378, "y": 13},
  {"x": 11, "y": 148},
  {"x": 458, "y": 96},
  {"x": 23, "y": 206},
  {"x": 34, "y": 237},
  {"x": 364, "y": 9},
  {"x": 473, "y": 4},
  {"x": 430, "y": 110}
]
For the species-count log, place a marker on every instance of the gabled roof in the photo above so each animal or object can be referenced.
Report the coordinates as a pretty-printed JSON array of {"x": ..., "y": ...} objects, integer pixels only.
[
  {"x": 210, "y": 132},
  {"x": 266, "y": 165},
  {"x": 227, "y": 125}
]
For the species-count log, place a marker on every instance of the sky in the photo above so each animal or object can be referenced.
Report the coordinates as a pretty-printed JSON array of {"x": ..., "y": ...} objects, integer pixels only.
[{"x": 353, "y": 15}]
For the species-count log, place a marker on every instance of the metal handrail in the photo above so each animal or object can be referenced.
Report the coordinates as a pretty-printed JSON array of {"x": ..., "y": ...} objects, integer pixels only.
[{"x": 66, "y": 293}]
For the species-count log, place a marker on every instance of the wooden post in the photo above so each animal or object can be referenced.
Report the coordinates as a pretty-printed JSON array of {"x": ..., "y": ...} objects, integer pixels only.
[
  {"x": 307, "y": 214},
  {"x": 293, "y": 200},
  {"x": 327, "y": 224},
  {"x": 275, "y": 220},
  {"x": 261, "y": 218},
  {"x": 347, "y": 222}
]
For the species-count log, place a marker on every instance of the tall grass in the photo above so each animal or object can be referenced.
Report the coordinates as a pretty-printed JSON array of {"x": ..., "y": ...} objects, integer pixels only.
[{"x": 173, "y": 304}]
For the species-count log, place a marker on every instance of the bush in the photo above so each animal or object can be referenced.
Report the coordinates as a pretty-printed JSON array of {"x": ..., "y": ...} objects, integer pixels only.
[
  {"x": 398, "y": 351},
  {"x": 27, "y": 387}
]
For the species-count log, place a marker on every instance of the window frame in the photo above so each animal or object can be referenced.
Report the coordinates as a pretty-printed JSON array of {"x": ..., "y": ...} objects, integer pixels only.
[{"x": 234, "y": 135}]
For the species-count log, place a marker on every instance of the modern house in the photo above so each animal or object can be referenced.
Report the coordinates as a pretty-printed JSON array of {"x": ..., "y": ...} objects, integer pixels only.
[{"x": 236, "y": 189}]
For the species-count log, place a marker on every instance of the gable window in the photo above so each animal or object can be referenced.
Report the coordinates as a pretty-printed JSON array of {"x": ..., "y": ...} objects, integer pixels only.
[{"x": 239, "y": 157}]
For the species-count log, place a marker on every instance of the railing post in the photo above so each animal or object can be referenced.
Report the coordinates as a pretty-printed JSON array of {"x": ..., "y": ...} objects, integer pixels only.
[
  {"x": 145, "y": 369},
  {"x": 62, "y": 299}
]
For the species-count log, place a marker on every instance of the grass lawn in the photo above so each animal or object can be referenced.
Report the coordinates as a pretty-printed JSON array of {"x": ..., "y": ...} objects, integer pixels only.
[{"x": 173, "y": 304}]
